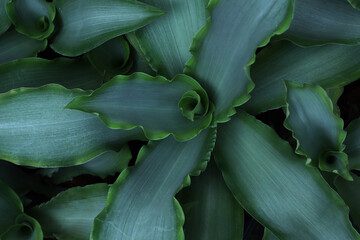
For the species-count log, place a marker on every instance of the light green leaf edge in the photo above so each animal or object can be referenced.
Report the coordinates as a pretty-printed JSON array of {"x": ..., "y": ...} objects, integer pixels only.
[
  {"x": 355, "y": 3},
  {"x": 22, "y": 221},
  {"x": 329, "y": 105},
  {"x": 151, "y": 135},
  {"x": 12, "y": 14},
  {"x": 201, "y": 35},
  {"x": 211, "y": 139}
]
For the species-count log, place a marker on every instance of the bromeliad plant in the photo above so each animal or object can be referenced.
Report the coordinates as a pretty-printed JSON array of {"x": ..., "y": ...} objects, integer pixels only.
[{"x": 74, "y": 92}]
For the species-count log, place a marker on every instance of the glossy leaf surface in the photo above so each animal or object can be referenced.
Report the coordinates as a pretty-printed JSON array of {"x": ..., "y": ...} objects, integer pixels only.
[
  {"x": 324, "y": 21},
  {"x": 275, "y": 186},
  {"x": 14, "y": 45},
  {"x": 141, "y": 203},
  {"x": 328, "y": 66},
  {"x": 211, "y": 211},
  {"x": 70, "y": 215},
  {"x": 223, "y": 70},
  {"x": 86, "y": 24},
  {"x": 318, "y": 131},
  {"x": 165, "y": 42},
  {"x": 154, "y": 103},
  {"x": 35, "y": 72},
  {"x": 32, "y": 121}
]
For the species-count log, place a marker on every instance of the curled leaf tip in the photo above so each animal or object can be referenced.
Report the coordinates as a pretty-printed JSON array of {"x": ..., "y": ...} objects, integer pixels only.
[
  {"x": 193, "y": 106},
  {"x": 335, "y": 162}
]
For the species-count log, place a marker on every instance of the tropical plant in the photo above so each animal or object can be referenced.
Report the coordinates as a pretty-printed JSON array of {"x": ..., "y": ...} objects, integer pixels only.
[{"x": 209, "y": 85}]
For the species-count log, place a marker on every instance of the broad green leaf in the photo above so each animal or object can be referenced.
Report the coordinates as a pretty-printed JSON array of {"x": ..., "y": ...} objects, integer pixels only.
[
  {"x": 14, "y": 45},
  {"x": 349, "y": 191},
  {"x": 10, "y": 207},
  {"x": 318, "y": 131},
  {"x": 334, "y": 94},
  {"x": 224, "y": 49},
  {"x": 107, "y": 163},
  {"x": 141, "y": 203},
  {"x": 4, "y": 19},
  {"x": 33, "y": 18},
  {"x": 268, "y": 235},
  {"x": 111, "y": 58},
  {"x": 355, "y": 3},
  {"x": 275, "y": 186},
  {"x": 323, "y": 21},
  {"x": 70, "y": 215},
  {"x": 329, "y": 66},
  {"x": 35, "y": 72},
  {"x": 22, "y": 182},
  {"x": 25, "y": 228},
  {"x": 211, "y": 211},
  {"x": 86, "y": 24},
  {"x": 156, "y": 104},
  {"x": 352, "y": 144},
  {"x": 36, "y": 129},
  {"x": 165, "y": 42}
]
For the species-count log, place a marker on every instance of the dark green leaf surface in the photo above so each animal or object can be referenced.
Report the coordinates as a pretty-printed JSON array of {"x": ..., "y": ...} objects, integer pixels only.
[
  {"x": 10, "y": 207},
  {"x": 33, "y": 18},
  {"x": 70, "y": 215},
  {"x": 25, "y": 228},
  {"x": 352, "y": 144},
  {"x": 268, "y": 235},
  {"x": 276, "y": 187},
  {"x": 224, "y": 49},
  {"x": 4, "y": 19},
  {"x": 14, "y": 45},
  {"x": 211, "y": 211},
  {"x": 107, "y": 163},
  {"x": 334, "y": 94},
  {"x": 328, "y": 66},
  {"x": 349, "y": 191},
  {"x": 86, "y": 24},
  {"x": 324, "y": 21},
  {"x": 36, "y": 129},
  {"x": 141, "y": 203},
  {"x": 165, "y": 43},
  {"x": 318, "y": 131},
  {"x": 35, "y": 72},
  {"x": 154, "y": 103},
  {"x": 355, "y": 3},
  {"x": 112, "y": 57}
]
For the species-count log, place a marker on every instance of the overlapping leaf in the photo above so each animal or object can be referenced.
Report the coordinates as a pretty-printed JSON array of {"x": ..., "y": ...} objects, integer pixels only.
[
  {"x": 86, "y": 24},
  {"x": 275, "y": 186},
  {"x": 319, "y": 132},
  {"x": 352, "y": 144},
  {"x": 328, "y": 66},
  {"x": 141, "y": 203},
  {"x": 32, "y": 121},
  {"x": 224, "y": 49},
  {"x": 180, "y": 107},
  {"x": 165, "y": 42}
]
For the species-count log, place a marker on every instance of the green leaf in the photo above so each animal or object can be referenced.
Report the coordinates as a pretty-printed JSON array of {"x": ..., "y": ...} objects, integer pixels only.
[
  {"x": 14, "y": 45},
  {"x": 349, "y": 191},
  {"x": 224, "y": 49},
  {"x": 323, "y": 21},
  {"x": 10, "y": 207},
  {"x": 111, "y": 58},
  {"x": 139, "y": 64},
  {"x": 33, "y": 18},
  {"x": 355, "y": 3},
  {"x": 329, "y": 66},
  {"x": 352, "y": 144},
  {"x": 140, "y": 204},
  {"x": 211, "y": 211},
  {"x": 268, "y": 235},
  {"x": 36, "y": 129},
  {"x": 107, "y": 163},
  {"x": 25, "y": 228},
  {"x": 334, "y": 94},
  {"x": 165, "y": 42},
  {"x": 70, "y": 215},
  {"x": 86, "y": 24},
  {"x": 318, "y": 131},
  {"x": 150, "y": 102},
  {"x": 35, "y": 72},
  {"x": 4, "y": 19},
  {"x": 275, "y": 186}
]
